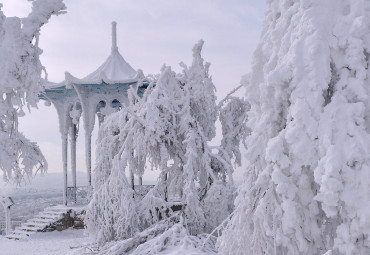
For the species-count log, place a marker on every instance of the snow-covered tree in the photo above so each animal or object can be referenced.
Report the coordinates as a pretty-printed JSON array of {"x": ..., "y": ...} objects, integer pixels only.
[
  {"x": 307, "y": 180},
  {"x": 233, "y": 118},
  {"x": 167, "y": 129},
  {"x": 20, "y": 73}
]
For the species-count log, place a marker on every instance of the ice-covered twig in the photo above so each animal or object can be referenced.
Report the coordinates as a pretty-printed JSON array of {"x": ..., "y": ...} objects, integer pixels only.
[{"x": 221, "y": 103}]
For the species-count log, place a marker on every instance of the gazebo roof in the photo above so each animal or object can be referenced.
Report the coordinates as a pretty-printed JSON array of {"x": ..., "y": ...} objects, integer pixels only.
[
  {"x": 56, "y": 91},
  {"x": 115, "y": 70},
  {"x": 48, "y": 85}
]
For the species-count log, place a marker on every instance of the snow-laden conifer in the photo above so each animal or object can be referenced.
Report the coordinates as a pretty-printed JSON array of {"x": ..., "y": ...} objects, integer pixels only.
[
  {"x": 20, "y": 73},
  {"x": 308, "y": 152}
]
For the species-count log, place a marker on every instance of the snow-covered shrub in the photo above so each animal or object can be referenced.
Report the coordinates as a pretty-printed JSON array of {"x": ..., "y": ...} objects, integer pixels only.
[
  {"x": 108, "y": 147},
  {"x": 168, "y": 128},
  {"x": 173, "y": 240},
  {"x": 307, "y": 181},
  {"x": 166, "y": 237},
  {"x": 153, "y": 207},
  {"x": 115, "y": 218},
  {"x": 20, "y": 73},
  {"x": 218, "y": 204},
  {"x": 233, "y": 118}
]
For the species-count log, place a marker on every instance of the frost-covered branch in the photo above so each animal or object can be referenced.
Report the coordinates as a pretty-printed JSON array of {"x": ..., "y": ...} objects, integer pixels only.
[
  {"x": 308, "y": 150},
  {"x": 221, "y": 103},
  {"x": 20, "y": 74}
]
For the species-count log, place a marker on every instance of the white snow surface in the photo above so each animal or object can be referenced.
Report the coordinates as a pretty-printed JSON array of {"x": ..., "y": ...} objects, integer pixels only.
[
  {"x": 115, "y": 68},
  {"x": 71, "y": 242},
  {"x": 49, "y": 243}
]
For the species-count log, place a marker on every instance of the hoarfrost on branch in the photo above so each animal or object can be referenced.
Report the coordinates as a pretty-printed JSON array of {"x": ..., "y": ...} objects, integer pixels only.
[{"x": 20, "y": 73}]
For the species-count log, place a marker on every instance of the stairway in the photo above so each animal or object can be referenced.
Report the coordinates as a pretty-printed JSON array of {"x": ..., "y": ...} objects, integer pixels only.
[{"x": 39, "y": 223}]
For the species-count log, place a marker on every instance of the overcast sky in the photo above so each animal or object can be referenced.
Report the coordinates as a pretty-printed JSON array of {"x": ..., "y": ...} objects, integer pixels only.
[{"x": 150, "y": 33}]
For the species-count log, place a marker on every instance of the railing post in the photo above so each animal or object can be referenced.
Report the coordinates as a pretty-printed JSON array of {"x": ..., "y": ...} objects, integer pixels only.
[
  {"x": 7, "y": 202},
  {"x": 132, "y": 181}
]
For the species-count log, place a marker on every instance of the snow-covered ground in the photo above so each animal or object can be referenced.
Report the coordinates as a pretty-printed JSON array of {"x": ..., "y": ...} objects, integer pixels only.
[
  {"x": 68, "y": 242},
  {"x": 48, "y": 243}
]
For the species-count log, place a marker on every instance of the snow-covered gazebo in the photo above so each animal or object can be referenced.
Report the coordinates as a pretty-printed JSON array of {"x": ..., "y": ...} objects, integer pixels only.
[{"x": 99, "y": 93}]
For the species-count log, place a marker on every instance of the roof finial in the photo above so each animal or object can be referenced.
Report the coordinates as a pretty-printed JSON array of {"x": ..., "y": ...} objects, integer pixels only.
[{"x": 114, "y": 36}]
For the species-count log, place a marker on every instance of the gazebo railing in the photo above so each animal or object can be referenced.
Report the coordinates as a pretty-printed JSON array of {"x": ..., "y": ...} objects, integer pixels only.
[
  {"x": 82, "y": 194},
  {"x": 78, "y": 195},
  {"x": 141, "y": 191}
]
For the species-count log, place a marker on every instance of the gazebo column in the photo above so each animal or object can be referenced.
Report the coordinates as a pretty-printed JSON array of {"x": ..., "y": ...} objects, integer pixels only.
[
  {"x": 73, "y": 135},
  {"x": 88, "y": 156},
  {"x": 63, "y": 116},
  {"x": 63, "y": 99},
  {"x": 108, "y": 83},
  {"x": 140, "y": 180},
  {"x": 65, "y": 165},
  {"x": 88, "y": 105}
]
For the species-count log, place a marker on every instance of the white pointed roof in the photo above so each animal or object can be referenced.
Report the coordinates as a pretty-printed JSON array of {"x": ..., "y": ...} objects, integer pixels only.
[{"x": 114, "y": 70}]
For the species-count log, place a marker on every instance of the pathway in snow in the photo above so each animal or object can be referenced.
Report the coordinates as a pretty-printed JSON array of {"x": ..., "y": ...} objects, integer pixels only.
[{"x": 48, "y": 243}]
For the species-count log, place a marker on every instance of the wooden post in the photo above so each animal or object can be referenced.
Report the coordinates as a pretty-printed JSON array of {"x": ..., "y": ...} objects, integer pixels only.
[
  {"x": 8, "y": 229},
  {"x": 7, "y": 202},
  {"x": 132, "y": 181}
]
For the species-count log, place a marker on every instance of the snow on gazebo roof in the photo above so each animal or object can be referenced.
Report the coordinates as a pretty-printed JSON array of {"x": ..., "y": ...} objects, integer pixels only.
[
  {"x": 115, "y": 69},
  {"x": 48, "y": 85},
  {"x": 54, "y": 91}
]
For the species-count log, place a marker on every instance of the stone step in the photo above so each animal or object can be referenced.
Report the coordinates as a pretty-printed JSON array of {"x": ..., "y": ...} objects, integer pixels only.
[
  {"x": 16, "y": 237},
  {"x": 35, "y": 224},
  {"x": 57, "y": 210},
  {"x": 29, "y": 229},
  {"x": 39, "y": 220},
  {"x": 20, "y": 232},
  {"x": 48, "y": 216},
  {"x": 51, "y": 213}
]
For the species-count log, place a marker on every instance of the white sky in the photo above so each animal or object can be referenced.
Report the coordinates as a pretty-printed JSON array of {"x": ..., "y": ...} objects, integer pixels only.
[{"x": 150, "y": 33}]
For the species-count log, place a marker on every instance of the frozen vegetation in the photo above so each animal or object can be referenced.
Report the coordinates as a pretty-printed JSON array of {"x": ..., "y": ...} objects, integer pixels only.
[
  {"x": 20, "y": 73},
  {"x": 168, "y": 128},
  {"x": 304, "y": 122},
  {"x": 307, "y": 182}
]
